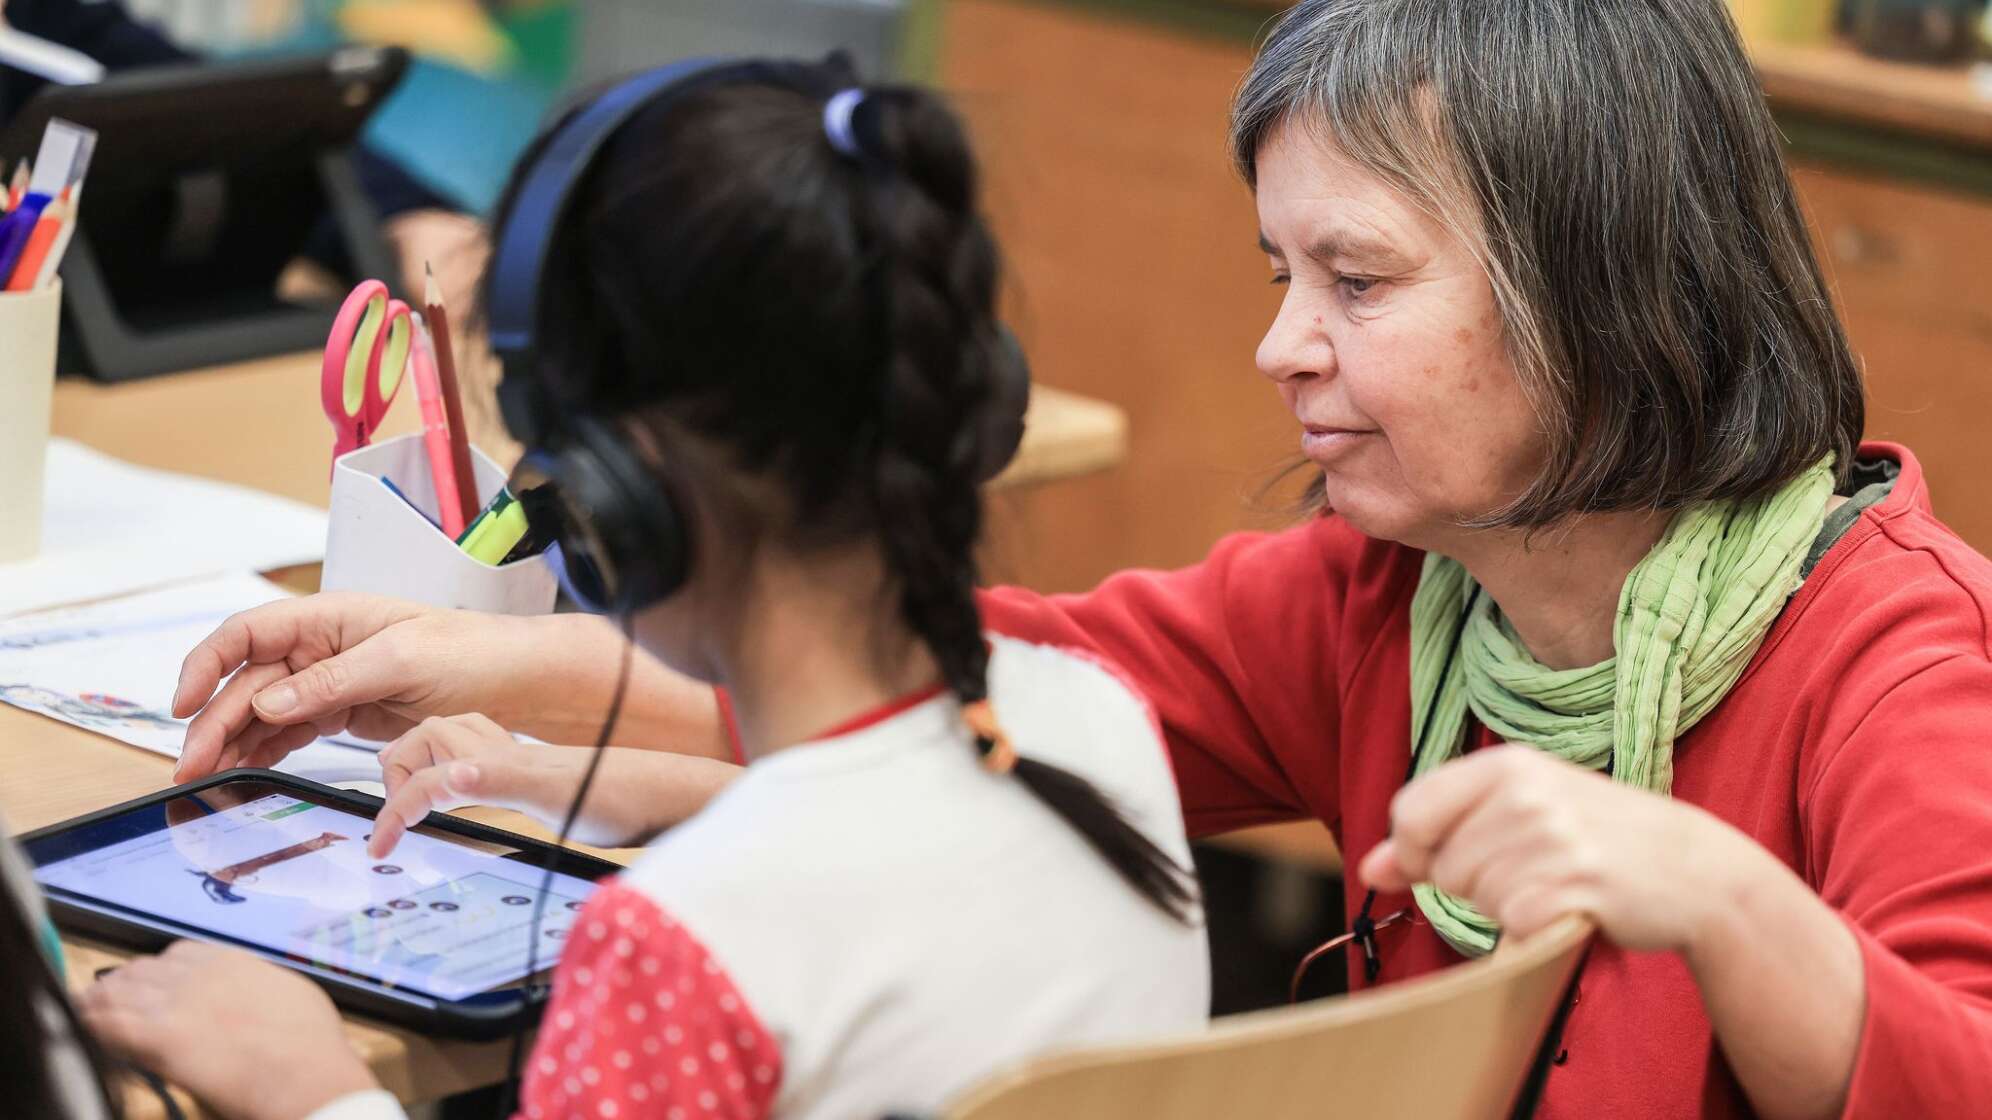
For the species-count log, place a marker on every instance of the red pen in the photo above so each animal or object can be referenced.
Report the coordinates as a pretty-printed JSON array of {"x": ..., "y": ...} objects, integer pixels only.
[
  {"x": 436, "y": 432},
  {"x": 439, "y": 325}
]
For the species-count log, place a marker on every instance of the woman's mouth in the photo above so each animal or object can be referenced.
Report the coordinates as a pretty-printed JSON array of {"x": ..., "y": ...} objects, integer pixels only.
[{"x": 1321, "y": 442}]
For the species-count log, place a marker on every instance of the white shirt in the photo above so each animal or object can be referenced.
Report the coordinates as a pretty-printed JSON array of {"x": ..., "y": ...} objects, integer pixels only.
[{"x": 873, "y": 922}]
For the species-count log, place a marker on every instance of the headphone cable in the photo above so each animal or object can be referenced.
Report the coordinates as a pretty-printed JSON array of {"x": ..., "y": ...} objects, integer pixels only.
[{"x": 510, "y": 1098}]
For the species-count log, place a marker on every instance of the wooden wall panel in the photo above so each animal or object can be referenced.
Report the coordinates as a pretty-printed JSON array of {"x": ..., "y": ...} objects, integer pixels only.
[
  {"x": 1133, "y": 276},
  {"x": 1908, "y": 268}
]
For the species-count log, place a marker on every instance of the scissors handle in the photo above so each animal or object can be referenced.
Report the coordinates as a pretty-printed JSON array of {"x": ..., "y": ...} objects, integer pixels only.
[{"x": 365, "y": 357}]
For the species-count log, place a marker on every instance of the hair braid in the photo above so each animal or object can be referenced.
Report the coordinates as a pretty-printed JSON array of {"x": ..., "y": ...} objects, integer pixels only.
[{"x": 937, "y": 278}]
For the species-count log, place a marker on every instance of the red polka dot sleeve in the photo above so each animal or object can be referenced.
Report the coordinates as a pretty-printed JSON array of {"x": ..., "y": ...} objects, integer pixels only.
[{"x": 644, "y": 1023}]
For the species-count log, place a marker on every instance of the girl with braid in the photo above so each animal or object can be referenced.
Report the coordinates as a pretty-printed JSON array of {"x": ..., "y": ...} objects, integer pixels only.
[{"x": 947, "y": 851}]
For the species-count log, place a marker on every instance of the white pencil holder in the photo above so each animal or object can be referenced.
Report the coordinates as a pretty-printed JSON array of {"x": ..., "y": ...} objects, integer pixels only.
[
  {"x": 27, "y": 381},
  {"x": 382, "y": 544}
]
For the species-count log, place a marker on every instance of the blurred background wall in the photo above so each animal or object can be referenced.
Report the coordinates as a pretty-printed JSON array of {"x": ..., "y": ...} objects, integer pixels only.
[{"x": 1133, "y": 275}]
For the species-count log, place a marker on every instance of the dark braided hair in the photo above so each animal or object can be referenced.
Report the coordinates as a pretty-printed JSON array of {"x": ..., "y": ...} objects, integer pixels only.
[
  {"x": 826, "y": 321},
  {"x": 940, "y": 266}
]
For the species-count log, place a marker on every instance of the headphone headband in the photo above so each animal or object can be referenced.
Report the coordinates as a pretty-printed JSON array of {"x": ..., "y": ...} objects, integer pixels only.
[
  {"x": 521, "y": 253},
  {"x": 548, "y": 188}
]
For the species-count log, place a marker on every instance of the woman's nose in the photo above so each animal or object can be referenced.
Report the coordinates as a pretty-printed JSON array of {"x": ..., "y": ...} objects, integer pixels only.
[{"x": 1295, "y": 346}]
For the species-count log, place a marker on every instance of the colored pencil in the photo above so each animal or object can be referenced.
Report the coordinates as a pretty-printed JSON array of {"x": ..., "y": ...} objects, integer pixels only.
[
  {"x": 53, "y": 261},
  {"x": 40, "y": 241},
  {"x": 446, "y": 372},
  {"x": 17, "y": 189},
  {"x": 436, "y": 433},
  {"x": 18, "y": 226}
]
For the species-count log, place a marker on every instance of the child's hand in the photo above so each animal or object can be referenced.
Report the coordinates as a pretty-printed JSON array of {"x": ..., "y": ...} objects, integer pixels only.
[
  {"x": 466, "y": 760},
  {"x": 252, "y": 1040}
]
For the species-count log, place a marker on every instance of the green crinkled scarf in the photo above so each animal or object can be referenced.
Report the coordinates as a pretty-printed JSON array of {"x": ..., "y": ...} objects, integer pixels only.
[{"x": 1689, "y": 618}]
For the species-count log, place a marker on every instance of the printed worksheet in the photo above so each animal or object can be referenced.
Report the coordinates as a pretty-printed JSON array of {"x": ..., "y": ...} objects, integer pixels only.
[{"x": 111, "y": 667}]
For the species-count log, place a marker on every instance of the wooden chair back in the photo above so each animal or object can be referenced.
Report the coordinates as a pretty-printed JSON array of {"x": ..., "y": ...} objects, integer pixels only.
[{"x": 1456, "y": 1045}]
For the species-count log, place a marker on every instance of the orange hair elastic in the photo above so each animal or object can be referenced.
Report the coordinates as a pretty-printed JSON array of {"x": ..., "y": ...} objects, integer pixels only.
[{"x": 999, "y": 756}]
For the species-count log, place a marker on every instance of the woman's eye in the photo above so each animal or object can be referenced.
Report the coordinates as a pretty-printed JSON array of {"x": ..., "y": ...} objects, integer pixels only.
[{"x": 1358, "y": 285}]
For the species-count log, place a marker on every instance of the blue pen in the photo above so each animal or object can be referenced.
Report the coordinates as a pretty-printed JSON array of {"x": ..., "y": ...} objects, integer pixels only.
[
  {"x": 396, "y": 491},
  {"x": 16, "y": 227}
]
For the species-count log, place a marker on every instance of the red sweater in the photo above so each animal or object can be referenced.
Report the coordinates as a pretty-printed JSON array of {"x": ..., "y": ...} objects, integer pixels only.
[{"x": 1853, "y": 748}]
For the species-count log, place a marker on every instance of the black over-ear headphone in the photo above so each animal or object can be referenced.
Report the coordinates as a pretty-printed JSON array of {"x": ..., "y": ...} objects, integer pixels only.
[{"x": 628, "y": 544}]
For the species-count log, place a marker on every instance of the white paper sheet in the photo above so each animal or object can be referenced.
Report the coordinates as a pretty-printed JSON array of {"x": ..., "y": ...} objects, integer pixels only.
[
  {"x": 109, "y": 528},
  {"x": 112, "y": 668}
]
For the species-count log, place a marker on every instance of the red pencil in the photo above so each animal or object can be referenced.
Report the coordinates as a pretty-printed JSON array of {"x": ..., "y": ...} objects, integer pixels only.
[
  {"x": 19, "y": 187},
  {"x": 40, "y": 241},
  {"x": 439, "y": 328}
]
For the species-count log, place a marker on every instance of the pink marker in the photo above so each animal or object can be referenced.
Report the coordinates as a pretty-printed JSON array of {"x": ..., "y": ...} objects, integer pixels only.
[{"x": 436, "y": 431}]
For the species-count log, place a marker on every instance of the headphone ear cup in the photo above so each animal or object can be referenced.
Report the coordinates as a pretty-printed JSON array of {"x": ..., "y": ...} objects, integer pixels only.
[
  {"x": 524, "y": 406},
  {"x": 1002, "y": 427},
  {"x": 637, "y": 537}
]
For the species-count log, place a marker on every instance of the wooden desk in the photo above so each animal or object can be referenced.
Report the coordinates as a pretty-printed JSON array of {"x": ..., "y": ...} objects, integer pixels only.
[
  {"x": 1833, "y": 79},
  {"x": 259, "y": 424}
]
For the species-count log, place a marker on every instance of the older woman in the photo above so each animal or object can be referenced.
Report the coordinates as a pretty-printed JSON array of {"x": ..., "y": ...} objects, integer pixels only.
[{"x": 1590, "y": 486}]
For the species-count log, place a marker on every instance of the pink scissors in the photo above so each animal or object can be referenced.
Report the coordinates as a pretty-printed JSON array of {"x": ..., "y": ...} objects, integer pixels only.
[{"x": 364, "y": 360}]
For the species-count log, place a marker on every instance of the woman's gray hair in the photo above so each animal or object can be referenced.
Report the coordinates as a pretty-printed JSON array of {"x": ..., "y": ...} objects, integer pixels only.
[{"x": 1615, "y": 168}]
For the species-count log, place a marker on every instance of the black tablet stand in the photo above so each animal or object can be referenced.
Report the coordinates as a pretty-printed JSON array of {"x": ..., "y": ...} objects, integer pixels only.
[
  {"x": 208, "y": 180},
  {"x": 100, "y": 340}
]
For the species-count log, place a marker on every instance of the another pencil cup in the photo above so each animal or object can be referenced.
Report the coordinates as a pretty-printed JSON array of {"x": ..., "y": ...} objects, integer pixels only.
[
  {"x": 27, "y": 380},
  {"x": 388, "y": 543}
]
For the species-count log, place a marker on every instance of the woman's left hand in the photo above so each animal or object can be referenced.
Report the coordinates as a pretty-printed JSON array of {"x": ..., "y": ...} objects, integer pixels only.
[
  {"x": 251, "y": 1040},
  {"x": 1528, "y": 838}
]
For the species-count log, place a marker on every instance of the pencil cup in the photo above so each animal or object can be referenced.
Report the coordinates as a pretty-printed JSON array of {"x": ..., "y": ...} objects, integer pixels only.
[
  {"x": 27, "y": 380},
  {"x": 388, "y": 544}
]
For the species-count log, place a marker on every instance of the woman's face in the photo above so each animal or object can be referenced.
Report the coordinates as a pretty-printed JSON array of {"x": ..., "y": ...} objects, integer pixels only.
[{"x": 1388, "y": 348}]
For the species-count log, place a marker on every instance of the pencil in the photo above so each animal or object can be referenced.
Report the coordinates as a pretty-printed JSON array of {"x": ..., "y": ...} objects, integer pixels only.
[
  {"x": 436, "y": 432},
  {"x": 18, "y": 189},
  {"x": 446, "y": 373},
  {"x": 40, "y": 241},
  {"x": 53, "y": 261}
]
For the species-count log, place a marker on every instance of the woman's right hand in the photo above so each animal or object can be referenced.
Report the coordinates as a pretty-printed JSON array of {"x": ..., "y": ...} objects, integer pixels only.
[{"x": 328, "y": 663}]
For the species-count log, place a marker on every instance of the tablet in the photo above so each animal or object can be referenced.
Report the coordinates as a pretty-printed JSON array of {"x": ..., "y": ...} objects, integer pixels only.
[
  {"x": 436, "y": 935},
  {"x": 209, "y": 178}
]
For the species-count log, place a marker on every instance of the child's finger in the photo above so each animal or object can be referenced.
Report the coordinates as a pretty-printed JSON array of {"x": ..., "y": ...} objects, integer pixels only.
[
  {"x": 407, "y": 806},
  {"x": 416, "y": 750}
]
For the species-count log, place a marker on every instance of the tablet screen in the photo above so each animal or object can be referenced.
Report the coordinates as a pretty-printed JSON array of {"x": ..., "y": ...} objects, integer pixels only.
[{"x": 256, "y": 863}]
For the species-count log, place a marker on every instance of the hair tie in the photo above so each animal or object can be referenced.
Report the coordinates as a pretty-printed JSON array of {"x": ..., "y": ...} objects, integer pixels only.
[
  {"x": 997, "y": 753},
  {"x": 837, "y": 116}
]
